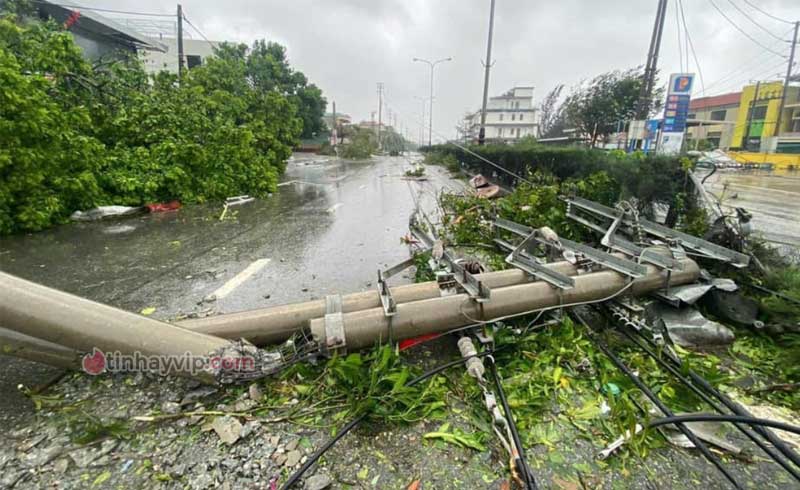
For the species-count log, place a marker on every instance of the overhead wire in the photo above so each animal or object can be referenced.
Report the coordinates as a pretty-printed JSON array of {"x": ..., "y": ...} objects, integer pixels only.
[
  {"x": 690, "y": 44},
  {"x": 754, "y": 22},
  {"x": 767, "y": 13},
  {"x": 97, "y": 9},
  {"x": 197, "y": 29},
  {"x": 742, "y": 31}
]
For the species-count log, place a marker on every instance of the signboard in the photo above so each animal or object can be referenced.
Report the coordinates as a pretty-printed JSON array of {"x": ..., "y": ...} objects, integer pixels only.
[
  {"x": 651, "y": 133},
  {"x": 676, "y": 111}
]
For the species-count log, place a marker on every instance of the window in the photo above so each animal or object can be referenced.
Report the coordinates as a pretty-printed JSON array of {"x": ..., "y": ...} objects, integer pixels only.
[
  {"x": 193, "y": 60},
  {"x": 513, "y": 117},
  {"x": 718, "y": 115},
  {"x": 517, "y": 132},
  {"x": 691, "y": 115},
  {"x": 759, "y": 113},
  {"x": 520, "y": 117},
  {"x": 501, "y": 117},
  {"x": 500, "y": 132}
]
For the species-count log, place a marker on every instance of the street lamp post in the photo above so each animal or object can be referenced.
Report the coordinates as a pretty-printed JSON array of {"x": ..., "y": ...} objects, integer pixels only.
[{"x": 430, "y": 115}]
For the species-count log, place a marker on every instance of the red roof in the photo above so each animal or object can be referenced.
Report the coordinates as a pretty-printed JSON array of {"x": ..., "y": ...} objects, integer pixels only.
[{"x": 715, "y": 101}]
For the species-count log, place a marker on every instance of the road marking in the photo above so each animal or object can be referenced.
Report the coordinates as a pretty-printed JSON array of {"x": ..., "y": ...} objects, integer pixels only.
[
  {"x": 240, "y": 278},
  {"x": 335, "y": 207}
]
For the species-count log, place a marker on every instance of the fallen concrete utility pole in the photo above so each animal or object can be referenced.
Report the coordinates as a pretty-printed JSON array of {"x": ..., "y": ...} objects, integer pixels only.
[
  {"x": 23, "y": 346},
  {"x": 267, "y": 326},
  {"x": 367, "y": 327},
  {"x": 84, "y": 326}
]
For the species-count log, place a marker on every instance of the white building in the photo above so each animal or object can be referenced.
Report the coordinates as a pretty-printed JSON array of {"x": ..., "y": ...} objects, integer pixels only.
[
  {"x": 194, "y": 50},
  {"x": 509, "y": 117}
]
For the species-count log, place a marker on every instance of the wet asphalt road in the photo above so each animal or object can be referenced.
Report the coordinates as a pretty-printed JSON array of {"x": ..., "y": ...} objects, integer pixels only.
[
  {"x": 773, "y": 198},
  {"x": 329, "y": 227}
]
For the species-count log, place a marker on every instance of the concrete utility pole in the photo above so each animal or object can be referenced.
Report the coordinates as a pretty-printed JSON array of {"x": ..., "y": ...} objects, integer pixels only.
[
  {"x": 180, "y": 42},
  {"x": 487, "y": 67},
  {"x": 334, "y": 124},
  {"x": 430, "y": 116},
  {"x": 651, "y": 68},
  {"x": 750, "y": 110},
  {"x": 422, "y": 127},
  {"x": 380, "y": 113},
  {"x": 787, "y": 79}
]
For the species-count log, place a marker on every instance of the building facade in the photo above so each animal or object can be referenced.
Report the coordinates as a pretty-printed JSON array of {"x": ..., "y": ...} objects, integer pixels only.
[
  {"x": 712, "y": 121},
  {"x": 509, "y": 117},
  {"x": 195, "y": 52},
  {"x": 757, "y": 125}
]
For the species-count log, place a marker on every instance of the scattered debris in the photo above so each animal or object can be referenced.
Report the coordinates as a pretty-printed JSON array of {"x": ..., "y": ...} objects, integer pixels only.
[
  {"x": 687, "y": 327},
  {"x": 163, "y": 207},
  {"x": 104, "y": 212},
  {"x": 228, "y": 428},
  {"x": 320, "y": 481}
]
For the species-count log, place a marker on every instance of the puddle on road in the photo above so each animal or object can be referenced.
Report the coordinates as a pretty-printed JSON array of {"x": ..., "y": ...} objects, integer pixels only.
[{"x": 773, "y": 198}]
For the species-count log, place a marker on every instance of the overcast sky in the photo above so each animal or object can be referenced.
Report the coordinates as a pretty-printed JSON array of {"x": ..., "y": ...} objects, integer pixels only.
[{"x": 347, "y": 46}]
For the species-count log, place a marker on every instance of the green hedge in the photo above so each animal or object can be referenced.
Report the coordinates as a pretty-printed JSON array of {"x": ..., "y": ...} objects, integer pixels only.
[{"x": 648, "y": 178}]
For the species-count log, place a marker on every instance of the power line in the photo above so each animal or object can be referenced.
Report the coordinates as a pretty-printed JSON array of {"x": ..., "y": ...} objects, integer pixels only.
[
  {"x": 753, "y": 21},
  {"x": 742, "y": 31},
  {"x": 124, "y": 12},
  {"x": 680, "y": 46},
  {"x": 691, "y": 45},
  {"x": 197, "y": 30},
  {"x": 747, "y": 66},
  {"x": 767, "y": 13}
]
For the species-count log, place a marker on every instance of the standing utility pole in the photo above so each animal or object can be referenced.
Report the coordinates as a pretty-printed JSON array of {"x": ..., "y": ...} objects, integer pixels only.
[
  {"x": 432, "y": 64},
  {"x": 750, "y": 111},
  {"x": 335, "y": 125},
  {"x": 380, "y": 113},
  {"x": 787, "y": 79},
  {"x": 422, "y": 127},
  {"x": 646, "y": 91},
  {"x": 487, "y": 67},
  {"x": 180, "y": 42}
]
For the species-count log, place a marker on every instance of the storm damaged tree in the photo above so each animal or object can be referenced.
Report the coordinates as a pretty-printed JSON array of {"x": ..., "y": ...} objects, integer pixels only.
[
  {"x": 551, "y": 114},
  {"x": 601, "y": 106}
]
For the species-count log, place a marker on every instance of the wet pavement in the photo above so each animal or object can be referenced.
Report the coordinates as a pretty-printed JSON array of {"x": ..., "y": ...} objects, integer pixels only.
[
  {"x": 328, "y": 228},
  {"x": 772, "y": 197}
]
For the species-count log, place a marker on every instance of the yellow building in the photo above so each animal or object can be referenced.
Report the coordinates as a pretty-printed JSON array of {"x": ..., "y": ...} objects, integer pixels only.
[{"x": 757, "y": 119}]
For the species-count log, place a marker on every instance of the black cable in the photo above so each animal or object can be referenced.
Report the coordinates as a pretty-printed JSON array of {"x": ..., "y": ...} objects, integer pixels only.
[
  {"x": 706, "y": 398},
  {"x": 767, "y": 13},
  {"x": 744, "y": 33},
  {"x": 657, "y": 401},
  {"x": 753, "y": 21},
  {"x": 735, "y": 408},
  {"x": 79, "y": 7},
  {"x": 350, "y": 425},
  {"x": 712, "y": 417},
  {"x": 530, "y": 480}
]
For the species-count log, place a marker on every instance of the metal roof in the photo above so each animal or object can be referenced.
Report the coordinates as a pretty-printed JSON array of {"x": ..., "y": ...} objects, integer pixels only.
[{"x": 94, "y": 23}]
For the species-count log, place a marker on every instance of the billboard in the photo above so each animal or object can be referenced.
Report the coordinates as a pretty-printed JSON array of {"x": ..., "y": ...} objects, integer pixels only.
[{"x": 676, "y": 111}]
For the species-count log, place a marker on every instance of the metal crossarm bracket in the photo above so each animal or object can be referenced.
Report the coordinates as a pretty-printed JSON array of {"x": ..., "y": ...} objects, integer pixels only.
[
  {"x": 622, "y": 266},
  {"x": 334, "y": 324},
  {"x": 387, "y": 301},
  {"x": 518, "y": 259},
  {"x": 698, "y": 245},
  {"x": 474, "y": 287}
]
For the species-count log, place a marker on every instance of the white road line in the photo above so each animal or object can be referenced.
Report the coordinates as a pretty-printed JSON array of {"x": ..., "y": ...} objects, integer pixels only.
[
  {"x": 240, "y": 278},
  {"x": 335, "y": 207}
]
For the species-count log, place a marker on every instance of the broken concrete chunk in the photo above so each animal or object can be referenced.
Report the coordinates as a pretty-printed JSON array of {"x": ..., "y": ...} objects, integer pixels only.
[
  {"x": 292, "y": 458},
  {"x": 318, "y": 482},
  {"x": 229, "y": 429}
]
